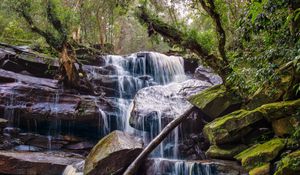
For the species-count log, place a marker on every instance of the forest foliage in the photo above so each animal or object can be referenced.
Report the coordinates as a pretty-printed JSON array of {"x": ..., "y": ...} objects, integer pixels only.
[{"x": 262, "y": 36}]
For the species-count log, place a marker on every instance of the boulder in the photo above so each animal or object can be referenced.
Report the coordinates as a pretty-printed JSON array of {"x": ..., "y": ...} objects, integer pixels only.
[
  {"x": 261, "y": 170},
  {"x": 277, "y": 110},
  {"x": 289, "y": 165},
  {"x": 231, "y": 127},
  {"x": 235, "y": 125},
  {"x": 112, "y": 154},
  {"x": 50, "y": 163},
  {"x": 224, "y": 151},
  {"x": 285, "y": 126},
  {"x": 215, "y": 101},
  {"x": 206, "y": 74},
  {"x": 260, "y": 154},
  {"x": 161, "y": 104}
]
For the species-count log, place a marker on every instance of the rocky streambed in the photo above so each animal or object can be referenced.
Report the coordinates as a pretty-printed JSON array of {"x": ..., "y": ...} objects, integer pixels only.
[{"x": 49, "y": 129}]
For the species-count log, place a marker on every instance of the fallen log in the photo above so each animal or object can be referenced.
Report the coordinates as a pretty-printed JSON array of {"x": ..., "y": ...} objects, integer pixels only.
[{"x": 134, "y": 166}]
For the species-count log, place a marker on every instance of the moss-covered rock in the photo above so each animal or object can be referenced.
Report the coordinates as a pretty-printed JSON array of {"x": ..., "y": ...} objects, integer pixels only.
[
  {"x": 260, "y": 154},
  {"x": 285, "y": 126},
  {"x": 231, "y": 127},
  {"x": 214, "y": 101},
  {"x": 289, "y": 165},
  {"x": 273, "y": 111},
  {"x": 235, "y": 125},
  {"x": 112, "y": 154},
  {"x": 292, "y": 144},
  {"x": 261, "y": 170},
  {"x": 224, "y": 151}
]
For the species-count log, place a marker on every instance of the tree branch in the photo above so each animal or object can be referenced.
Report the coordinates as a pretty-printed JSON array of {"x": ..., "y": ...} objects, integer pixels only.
[
  {"x": 210, "y": 8},
  {"x": 134, "y": 166},
  {"x": 23, "y": 10},
  {"x": 175, "y": 36}
]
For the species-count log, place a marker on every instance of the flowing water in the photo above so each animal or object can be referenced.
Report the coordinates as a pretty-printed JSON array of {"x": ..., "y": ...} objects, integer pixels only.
[{"x": 133, "y": 73}]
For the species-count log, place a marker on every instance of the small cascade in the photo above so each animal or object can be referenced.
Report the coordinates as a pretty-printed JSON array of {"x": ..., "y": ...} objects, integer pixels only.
[
  {"x": 161, "y": 166},
  {"x": 55, "y": 125},
  {"x": 9, "y": 111}
]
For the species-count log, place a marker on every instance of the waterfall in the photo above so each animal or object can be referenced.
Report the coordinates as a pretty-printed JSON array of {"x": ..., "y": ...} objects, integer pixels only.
[{"x": 133, "y": 73}]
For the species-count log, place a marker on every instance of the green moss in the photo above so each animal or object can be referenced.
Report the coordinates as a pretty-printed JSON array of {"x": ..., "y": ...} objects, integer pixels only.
[
  {"x": 214, "y": 101},
  {"x": 224, "y": 151},
  {"x": 261, "y": 170},
  {"x": 289, "y": 165},
  {"x": 278, "y": 110},
  {"x": 235, "y": 125},
  {"x": 231, "y": 126},
  {"x": 260, "y": 154}
]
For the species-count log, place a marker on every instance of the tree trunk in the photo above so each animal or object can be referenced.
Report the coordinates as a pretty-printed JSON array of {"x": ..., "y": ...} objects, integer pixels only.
[
  {"x": 134, "y": 166},
  {"x": 175, "y": 36},
  {"x": 68, "y": 62}
]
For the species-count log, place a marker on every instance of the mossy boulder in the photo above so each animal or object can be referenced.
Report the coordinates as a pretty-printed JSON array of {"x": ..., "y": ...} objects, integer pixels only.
[
  {"x": 112, "y": 154},
  {"x": 224, "y": 151},
  {"x": 235, "y": 125},
  {"x": 261, "y": 170},
  {"x": 274, "y": 111},
  {"x": 285, "y": 126},
  {"x": 215, "y": 101},
  {"x": 289, "y": 165},
  {"x": 260, "y": 154},
  {"x": 231, "y": 127}
]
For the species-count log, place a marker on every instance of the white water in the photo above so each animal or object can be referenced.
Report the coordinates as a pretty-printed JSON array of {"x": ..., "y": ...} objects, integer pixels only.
[{"x": 133, "y": 73}]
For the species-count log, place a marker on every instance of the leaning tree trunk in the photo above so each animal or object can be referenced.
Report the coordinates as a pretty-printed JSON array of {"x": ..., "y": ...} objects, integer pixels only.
[{"x": 134, "y": 166}]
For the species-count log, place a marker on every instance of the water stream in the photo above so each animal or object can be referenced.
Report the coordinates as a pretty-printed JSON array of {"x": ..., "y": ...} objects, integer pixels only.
[{"x": 142, "y": 70}]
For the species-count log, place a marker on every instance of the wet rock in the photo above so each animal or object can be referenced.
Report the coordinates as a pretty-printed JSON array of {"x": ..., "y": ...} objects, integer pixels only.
[
  {"x": 33, "y": 102},
  {"x": 171, "y": 166},
  {"x": 289, "y": 165},
  {"x": 160, "y": 104},
  {"x": 27, "y": 148},
  {"x": 224, "y": 151},
  {"x": 216, "y": 101},
  {"x": 3, "y": 124},
  {"x": 12, "y": 131},
  {"x": 50, "y": 163},
  {"x": 261, "y": 153},
  {"x": 45, "y": 142},
  {"x": 80, "y": 146},
  {"x": 206, "y": 74},
  {"x": 112, "y": 154}
]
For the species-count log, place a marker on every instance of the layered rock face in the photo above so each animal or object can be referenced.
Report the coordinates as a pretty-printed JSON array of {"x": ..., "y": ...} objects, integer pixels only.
[
  {"x": 257, "y": 137},
  {"x": 35, "y": 163}
]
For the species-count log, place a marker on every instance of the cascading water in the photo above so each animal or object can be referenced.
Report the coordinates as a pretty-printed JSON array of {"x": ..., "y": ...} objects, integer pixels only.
[{"x": 133, "y": 73}]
